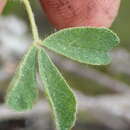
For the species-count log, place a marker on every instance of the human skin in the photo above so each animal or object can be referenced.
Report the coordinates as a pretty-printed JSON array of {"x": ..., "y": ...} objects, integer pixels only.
[
  {"x": 2, "y": 5},
  {"x": 75, "y": 13}
]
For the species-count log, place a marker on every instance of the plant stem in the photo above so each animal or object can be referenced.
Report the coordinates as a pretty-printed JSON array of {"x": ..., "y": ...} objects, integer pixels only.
[{"x": 32, "y": 20}]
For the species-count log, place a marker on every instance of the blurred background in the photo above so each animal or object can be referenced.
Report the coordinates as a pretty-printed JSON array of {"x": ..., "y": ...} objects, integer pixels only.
[{"x": 103, "y": 92}]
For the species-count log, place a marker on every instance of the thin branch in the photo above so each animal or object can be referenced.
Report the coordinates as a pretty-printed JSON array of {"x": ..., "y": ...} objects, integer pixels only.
[{"x": 6, "y": 113}]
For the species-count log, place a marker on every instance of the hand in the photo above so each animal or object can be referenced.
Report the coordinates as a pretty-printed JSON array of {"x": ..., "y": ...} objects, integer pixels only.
[
  {"x": 2, "y": 4},
  {"x": 74, "y": 13}
]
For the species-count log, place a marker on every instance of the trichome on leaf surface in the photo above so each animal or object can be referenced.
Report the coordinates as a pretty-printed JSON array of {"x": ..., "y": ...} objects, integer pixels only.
[
  {"x": 83, "y": 44},
  {"x": 77, "y": 44}
]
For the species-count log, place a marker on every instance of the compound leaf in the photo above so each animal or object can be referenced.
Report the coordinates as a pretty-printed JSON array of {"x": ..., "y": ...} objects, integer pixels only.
[
  {"x": 60, "y": 95},
  {"x": 86, "y": 45},
  {"x": 22, "y": 91}
]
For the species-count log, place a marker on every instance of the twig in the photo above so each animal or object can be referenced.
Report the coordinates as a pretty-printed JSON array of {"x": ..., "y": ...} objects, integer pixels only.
[{"x": 40, "y": 108}]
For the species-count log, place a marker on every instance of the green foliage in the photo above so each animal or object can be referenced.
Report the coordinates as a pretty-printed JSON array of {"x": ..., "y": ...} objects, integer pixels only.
[
  {"x": 86, "y": 45},
  {"x": 60, "y": 96},
  {"x": 22, "y": 92}
]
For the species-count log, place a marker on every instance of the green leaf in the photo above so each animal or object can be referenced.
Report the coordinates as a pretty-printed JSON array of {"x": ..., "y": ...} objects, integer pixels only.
[
  {"x": 22, "y": 91},
  {"x": 86, "y": 45},
  {"x": 60, "y": 95}
]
